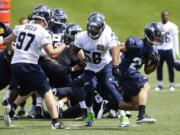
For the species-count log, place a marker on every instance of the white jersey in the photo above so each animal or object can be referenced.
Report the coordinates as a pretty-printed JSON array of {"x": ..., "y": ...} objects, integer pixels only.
[
  {"x": 29, "y": 43},
  {"x": 170, "y": 38},
  {"x": 97, "y": 51}
]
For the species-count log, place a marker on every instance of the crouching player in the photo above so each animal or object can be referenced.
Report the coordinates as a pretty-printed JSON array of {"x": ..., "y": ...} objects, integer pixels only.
[{"x": 137, "y": 52}]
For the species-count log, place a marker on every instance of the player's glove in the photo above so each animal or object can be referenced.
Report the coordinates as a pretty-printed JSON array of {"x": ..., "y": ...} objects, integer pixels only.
[
  {"x": 82, "y": 63},
  {"x": 155, "y": 57},
  {"x": 8, "y": 53},
  {"x": 116, "y": 71}
]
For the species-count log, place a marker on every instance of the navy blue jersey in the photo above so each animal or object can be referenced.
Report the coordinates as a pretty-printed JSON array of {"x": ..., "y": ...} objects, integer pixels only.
[
  {"x": 135, "y": 55},
  {"x": 65, "y": 57}
]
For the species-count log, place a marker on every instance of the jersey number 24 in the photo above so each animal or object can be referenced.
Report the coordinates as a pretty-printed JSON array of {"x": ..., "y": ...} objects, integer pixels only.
[{"x": 93, "y": 57}]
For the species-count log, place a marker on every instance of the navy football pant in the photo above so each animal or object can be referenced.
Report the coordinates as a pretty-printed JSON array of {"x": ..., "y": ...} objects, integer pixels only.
[
  {"x": 105, "y": 78},
  {"x": 5, "y": 71},
  {"x": 166, "y": 55}
]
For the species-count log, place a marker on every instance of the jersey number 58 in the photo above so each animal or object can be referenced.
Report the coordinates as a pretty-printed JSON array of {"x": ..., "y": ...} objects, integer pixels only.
[{"x": 93, "y": 57}]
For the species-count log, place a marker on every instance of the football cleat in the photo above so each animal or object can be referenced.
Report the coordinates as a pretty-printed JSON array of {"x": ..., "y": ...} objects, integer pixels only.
[
  {"x": 158, "y": 88},
  {"x": 21, "y": 113},
  {"x": 58, "y": 125},
  {"x": 39, "y": 112},
  {"x": 124, "y": 121},
  {"x": 89, "y": 119},
  {"x": 101, "y": 111},
  {"x": 82, "y": 116},
  {"x": 171, "y": 88},
  {"x": 145, "y": 119},
  {"x": 7, "y": 118}
]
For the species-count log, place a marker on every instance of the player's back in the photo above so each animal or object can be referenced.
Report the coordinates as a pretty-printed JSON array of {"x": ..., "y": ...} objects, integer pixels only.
[
  {"x": 30, "y": 39},
  {"x": 136, "y": 52}
]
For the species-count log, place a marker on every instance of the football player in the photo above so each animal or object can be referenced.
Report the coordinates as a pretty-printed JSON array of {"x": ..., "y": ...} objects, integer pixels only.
[
  {"x": 168, "y": 51},
  {"x": 137, "y": 52},
  {"x": 97, "y": 42},
  {"x": 30, "y": 40},
  {"x": 56, "y": 73}
]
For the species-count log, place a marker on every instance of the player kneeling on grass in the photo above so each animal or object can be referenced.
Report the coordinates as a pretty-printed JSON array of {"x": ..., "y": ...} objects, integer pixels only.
[
  {"x": 137, "y": 52},
  {"x": 30, "y": 40}
]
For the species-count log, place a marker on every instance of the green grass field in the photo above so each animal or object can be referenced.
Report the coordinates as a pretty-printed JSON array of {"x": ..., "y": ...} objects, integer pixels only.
[{"x": 126, "y": 17}]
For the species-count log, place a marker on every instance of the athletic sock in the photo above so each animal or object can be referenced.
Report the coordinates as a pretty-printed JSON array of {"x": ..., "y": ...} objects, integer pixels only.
[
  {"x": 141, "y": 111},
  {"x": 83, "y": 104},
  {"x": 90, "y": 109},
  {"x": 55, "y": 120},
  {"x": 160, "y": 83}
]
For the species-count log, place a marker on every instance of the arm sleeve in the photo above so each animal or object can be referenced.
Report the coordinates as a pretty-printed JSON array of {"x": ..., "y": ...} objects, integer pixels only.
[
  {"x": 132, "y": 44},
  {"x": 175, "y": 40},
  {"x": 77, "y": 42},
  {"x": 16, "y": 30},
  {"x": 46, "y": 38},
  {"x": 114, "y": 41}
]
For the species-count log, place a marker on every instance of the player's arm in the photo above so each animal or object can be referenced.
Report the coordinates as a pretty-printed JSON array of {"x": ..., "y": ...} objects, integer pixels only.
[
  {"x": 54, "y": 52},
  {"x": 151, "y": 62},
  {"x": 175, "y": 40},
  {"x": 8, "y": 40}
]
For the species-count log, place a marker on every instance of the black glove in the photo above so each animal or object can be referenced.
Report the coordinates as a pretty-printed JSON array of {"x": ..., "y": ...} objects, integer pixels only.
[
  {"x": 155, "y": 57},
  {"x": 8, "y": 53},
  {"x": 82, "y": 63},
  {"x": 116, "y": 71}
]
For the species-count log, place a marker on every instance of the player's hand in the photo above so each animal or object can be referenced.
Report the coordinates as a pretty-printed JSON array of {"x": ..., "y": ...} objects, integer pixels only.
[
  {"x": 155, "y": 58},
  {"x": 116, "y": 71},
  {"x": 1, "y": 40},
  {"x": 82, "y": 63}
]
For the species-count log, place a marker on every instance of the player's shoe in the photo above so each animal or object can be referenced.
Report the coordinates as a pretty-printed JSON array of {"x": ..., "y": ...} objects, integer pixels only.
[
  {"x": 159, "y": 88},
  {"x": 101, "y": 111},
  {"x": 39, "y": 112},
  {"x": 89, "y": 119},
  {"x": 32, "y": 112},
  {"x": 171, "y": 88},
  {"x": 21, "y": 113},
  {"x": 128, "y": 114},
  {"x": 124, "y": 121},
  {"x": 6, "y": 117},
  {"x": 82, "y": 116},
  {"x": 5, "y": 102},
  {"x": 58, "y": 125},
  {"x": 145, "y": 119}
]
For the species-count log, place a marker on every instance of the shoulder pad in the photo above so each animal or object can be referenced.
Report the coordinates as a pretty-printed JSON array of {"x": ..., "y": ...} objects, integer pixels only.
[{"x": 133, "y": 43}]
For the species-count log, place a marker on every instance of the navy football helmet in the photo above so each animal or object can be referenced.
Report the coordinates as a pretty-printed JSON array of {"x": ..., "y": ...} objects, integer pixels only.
[
  {"x": 58, "y": 16},
  {"x": 153, "y": 32},
  {"x": 95, "y": 25},
  {"x": 41, "y": 12},
  {"x": 70, "y": 32},
  {"x": 177, "y": 65}
]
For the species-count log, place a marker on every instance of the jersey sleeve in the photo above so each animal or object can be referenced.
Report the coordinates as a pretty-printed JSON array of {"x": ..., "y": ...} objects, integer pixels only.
[
  {"x": 133, "y": 44},
  {"x": 16, "y": 30},
  {"x": 113, "y": 41},
  {"x": 46, "y": 38}
]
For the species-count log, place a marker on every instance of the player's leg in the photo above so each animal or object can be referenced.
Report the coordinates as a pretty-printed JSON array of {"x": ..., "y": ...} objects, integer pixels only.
[
  {"x": 108, "y": 80},
  {"x": 159, "y": 71},
  {"x": 170, "y": 64},
  {"x": 77, "y": 88},
  {"x": 89, "y": 91}
]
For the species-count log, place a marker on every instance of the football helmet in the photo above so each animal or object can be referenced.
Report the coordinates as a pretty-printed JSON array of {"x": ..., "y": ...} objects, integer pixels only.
[
  {"x": 70, "y": 32},
  {"x": 58, "y": 16},
  {"x": 154, "y": 33},
  {"x": 41, "y": 12},
  {"x": 95, "y": 25}
]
